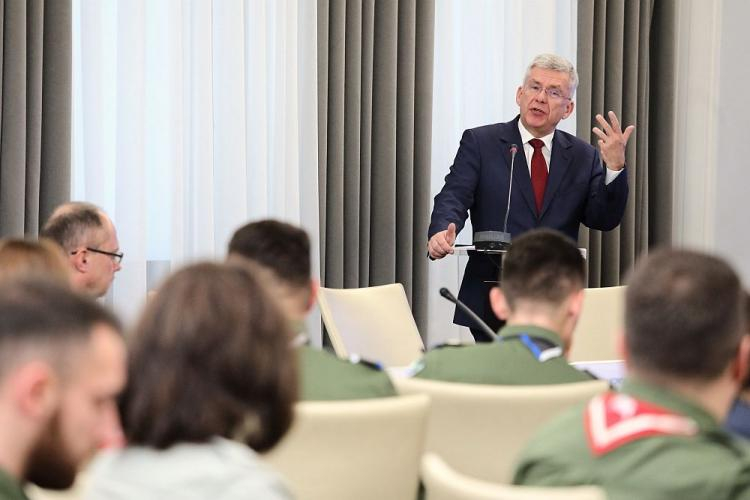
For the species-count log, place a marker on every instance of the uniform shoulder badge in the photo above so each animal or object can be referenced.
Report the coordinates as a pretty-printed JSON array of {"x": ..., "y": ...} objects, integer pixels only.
[{"x": 614, "y": 419}]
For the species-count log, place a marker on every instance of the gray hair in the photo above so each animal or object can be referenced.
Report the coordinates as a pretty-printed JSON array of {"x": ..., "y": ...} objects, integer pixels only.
[
  {"x": 554, "y": 62},
  {"x": 71, "y": 223}
]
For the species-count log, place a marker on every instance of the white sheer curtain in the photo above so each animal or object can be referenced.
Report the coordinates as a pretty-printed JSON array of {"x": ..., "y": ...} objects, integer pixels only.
[
  {"x": 482, "y": 48},
  {"x": 190, "y": 118}
]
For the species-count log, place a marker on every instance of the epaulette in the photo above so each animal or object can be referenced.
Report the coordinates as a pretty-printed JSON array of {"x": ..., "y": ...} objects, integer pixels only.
[{"x": 614, "y": 419}]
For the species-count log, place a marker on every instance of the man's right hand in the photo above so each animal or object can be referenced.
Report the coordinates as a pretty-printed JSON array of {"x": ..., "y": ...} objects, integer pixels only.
[{"x": 441, "y": 244}]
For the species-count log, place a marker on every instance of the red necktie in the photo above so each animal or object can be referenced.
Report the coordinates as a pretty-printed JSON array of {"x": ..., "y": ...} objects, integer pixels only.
[{"x": 538, "y": 173}]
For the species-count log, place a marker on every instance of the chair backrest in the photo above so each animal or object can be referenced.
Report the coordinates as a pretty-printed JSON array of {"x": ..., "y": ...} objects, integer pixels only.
[
  {"x": 594, "y": 338},
  {"x": 481, "y": 429},
  {"x": 374, "y": 323},
  {"x": 443, "y": 483},
  {"x": 363, "y": 449}
]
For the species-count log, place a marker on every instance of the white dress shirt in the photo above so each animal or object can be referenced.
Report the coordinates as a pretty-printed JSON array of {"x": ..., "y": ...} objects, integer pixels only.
[{"x": 528, "y": 150}]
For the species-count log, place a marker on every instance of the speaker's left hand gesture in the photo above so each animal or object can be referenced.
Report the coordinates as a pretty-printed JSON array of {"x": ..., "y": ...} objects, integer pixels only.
[{"x": 612, "y": 141}]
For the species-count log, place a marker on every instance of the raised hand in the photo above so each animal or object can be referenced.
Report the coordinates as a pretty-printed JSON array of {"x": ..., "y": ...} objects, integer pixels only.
[
  {"x": 441, "y": 244},
  {"x": 612, "y": 141}
]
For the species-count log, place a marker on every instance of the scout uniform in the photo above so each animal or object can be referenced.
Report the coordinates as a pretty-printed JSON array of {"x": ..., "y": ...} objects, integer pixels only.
[
  {"x": 10, "y": 489},
  {"x": 642, "y": 443},
  {"x": 325, "y": 377},
  {"x": 523, "y": 355}
]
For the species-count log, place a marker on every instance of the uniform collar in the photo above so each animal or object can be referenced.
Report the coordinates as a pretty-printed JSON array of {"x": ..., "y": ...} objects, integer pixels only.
[
  {"x": 531, "y": 331},
  {"x": 9, "y": 484},
  {"x": 671, "y": 400}
]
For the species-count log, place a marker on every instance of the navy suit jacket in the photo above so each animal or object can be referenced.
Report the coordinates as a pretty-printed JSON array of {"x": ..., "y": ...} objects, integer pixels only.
[{"x": 478, "y": 183}]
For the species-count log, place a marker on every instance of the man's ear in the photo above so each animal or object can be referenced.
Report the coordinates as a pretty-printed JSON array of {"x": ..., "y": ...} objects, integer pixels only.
[
  {"x": 499, "y": 303},
  {"x": 620, "y": 345},
  {"x": 314, "y": 286},
  {"x": 569, "y": 109},
  {"x": 35, "y": 390},
  {"x": 518, "y": 95},
  {"x": 742, "y": 361},
  {"x": 79, "y": 260},
  {"x": 575, "y": 304}
]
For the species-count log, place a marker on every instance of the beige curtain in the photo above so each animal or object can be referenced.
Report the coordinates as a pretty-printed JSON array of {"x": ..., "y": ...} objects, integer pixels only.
[
  {"x": 375, "y": 61},
  {"x": 35, "y": 112},
  {"x": 626, "y": 60}
]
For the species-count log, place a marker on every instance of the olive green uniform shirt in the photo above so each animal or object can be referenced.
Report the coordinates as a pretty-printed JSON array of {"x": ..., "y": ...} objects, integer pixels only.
[
  {"x": 325, "y": 377},
  {"x": 700, "y": 462},
  {"x": 10, "y": 489},
  {"x": 505, "y": 362}
]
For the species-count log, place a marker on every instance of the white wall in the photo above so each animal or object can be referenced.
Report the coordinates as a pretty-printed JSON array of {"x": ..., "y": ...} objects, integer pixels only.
[
  {"x": 731, "y": 235},
  {"x": 712, "y": 146}
]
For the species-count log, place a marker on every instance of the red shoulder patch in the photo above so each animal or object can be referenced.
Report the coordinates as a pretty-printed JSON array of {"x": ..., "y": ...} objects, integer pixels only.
[{"x": 613, "y": 419}]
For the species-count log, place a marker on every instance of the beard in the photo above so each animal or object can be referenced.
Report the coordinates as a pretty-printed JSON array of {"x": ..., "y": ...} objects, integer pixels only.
[{"x": 50, "y": 464}]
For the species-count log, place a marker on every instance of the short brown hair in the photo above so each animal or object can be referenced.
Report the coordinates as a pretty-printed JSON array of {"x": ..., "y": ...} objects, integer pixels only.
[
  {"x": 43, "y": 319},
  {"x": 209, "y": 356},
  {"x": 542, "y": 265},
  {"x": 43, "y": 258},
  {"x": 684, "y": 315},
  {"x": 278, "y": 246}
]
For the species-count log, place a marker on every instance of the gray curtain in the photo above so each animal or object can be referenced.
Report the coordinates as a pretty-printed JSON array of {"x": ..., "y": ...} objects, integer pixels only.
[
  {"x": 35, "y": 112},
  {"x": 375, "y": 61},
  {"x": 626, "y": 63}
]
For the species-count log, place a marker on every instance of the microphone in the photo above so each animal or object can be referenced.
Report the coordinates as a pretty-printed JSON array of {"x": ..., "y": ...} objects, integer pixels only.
[
  {"x": 496, "y": 240},
  {"x": 476, "y": 319},
  {"x": 513, "y": 151}
]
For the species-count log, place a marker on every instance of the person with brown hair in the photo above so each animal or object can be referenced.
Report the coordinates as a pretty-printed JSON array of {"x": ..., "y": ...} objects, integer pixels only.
[
  {"x": 213, "y": 381},
  {"x": 686, "y": 351},
  {"x": 283, "y": 251},
  {"x": 62, "y": 364},
  {"x": 541, "y": 299},
  {"x": 89, "y": 240},
  {"x": 42, "y": 258}
]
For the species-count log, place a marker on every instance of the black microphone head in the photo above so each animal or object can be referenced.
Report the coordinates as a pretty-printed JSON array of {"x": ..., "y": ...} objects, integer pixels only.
[
  {"x": 513, "y": 149},
  {"x": 447, "y": 294}
]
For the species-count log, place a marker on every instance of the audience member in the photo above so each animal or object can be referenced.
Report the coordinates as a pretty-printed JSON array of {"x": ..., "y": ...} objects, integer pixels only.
[
  {"x": 738, "y": 420},
  {"x": 89, "y": 240},
  {"x": 27, "y": 258},
  {"x": 62, "y": 364},
  {"x": 212, "y": 382},
  {"x": 540, "y": 299},
  {"x": 284, "y": 250},
  {"x": 687, "y": 353}
]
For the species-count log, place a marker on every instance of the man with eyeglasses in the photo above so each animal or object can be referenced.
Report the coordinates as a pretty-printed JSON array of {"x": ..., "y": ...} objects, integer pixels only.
[
  {"x": 89, "y": 240},
  {"x": 559, "y": 181}
]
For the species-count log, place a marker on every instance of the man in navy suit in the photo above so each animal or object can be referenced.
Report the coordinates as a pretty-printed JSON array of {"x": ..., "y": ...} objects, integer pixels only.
[{"x": 559, "y": 181}]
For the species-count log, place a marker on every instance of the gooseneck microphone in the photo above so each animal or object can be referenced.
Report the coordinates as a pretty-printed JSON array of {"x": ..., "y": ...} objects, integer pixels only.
[
  {"x": 476, "y": 319},
  {"x": 513, "y": 151},
  {"x": 497, "y": 240}
]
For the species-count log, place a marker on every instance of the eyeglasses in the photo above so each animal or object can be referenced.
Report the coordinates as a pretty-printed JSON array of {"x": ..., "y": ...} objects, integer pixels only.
[
  {"x": 553, "y": 93},
  {"x": 115, "y": 256}
]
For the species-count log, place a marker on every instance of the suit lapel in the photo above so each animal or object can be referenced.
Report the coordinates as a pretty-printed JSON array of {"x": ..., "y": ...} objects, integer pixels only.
[
  {"x": 559, "y": 164},
  {"x": 521, "y": 179}
]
